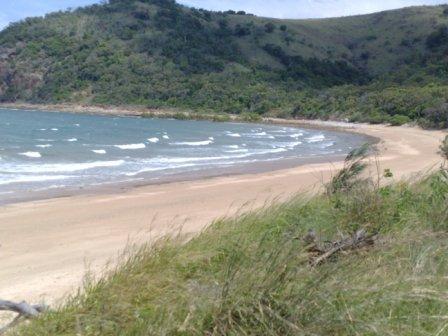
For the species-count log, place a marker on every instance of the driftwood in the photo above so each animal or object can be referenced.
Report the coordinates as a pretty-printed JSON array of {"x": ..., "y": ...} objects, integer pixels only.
[
  {"x": 24, "y": 311},
  {"x": 320, "y": 253}
]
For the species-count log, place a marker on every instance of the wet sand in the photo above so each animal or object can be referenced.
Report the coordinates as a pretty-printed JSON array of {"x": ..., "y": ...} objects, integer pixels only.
[{"x": 47, "y": 246}]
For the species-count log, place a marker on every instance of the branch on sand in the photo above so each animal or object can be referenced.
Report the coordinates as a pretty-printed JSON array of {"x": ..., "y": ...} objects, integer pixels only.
[
  {"x": 321, "y": 253},
  {"x": 24, "y": 311}
]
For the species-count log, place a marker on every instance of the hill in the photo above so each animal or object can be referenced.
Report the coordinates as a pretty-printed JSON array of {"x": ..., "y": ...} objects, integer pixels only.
[{"x": 157, "y": 53}]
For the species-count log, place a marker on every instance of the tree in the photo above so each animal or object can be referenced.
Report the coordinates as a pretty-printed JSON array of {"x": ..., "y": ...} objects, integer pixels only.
[
  {"x": 269, "y": 27},
  {"x": 283, "y": 28},
  {"x": 241, "y": 31},
  {"x": 437, "y": 38},
  {"x": 445, "y": 11},
  {"x": 437, "y": 116}
]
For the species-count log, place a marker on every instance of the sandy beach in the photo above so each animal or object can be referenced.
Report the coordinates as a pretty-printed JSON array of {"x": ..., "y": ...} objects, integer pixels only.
[{"x": 47, "y": 246}]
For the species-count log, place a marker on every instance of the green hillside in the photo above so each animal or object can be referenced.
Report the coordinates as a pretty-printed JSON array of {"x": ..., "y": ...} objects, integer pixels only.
[{"x": 156, "y": 53}]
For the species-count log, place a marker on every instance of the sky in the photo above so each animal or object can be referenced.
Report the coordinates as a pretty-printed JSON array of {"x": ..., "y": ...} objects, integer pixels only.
[{"x": 14, "y": 10}]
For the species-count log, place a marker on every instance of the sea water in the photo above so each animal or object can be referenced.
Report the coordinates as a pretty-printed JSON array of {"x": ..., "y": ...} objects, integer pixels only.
[{"x": 47, "y": 151}]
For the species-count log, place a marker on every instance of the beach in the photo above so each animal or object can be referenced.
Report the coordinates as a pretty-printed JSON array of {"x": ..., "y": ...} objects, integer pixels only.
[{"x": 48, "y": 246}]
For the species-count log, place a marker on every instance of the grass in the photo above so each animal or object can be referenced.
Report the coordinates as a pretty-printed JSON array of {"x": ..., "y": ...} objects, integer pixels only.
[{"x": 250, "y": 275}]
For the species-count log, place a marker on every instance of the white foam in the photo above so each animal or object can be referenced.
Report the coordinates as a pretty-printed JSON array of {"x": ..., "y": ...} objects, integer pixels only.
[
  {"x": 55, "y": 129},
  {"x": 211, "y": 138},
  {"x": 234, "y": 135},
  {"x": 33, "y": 155},
  {"x": 44, "y": 146},
  {"x": 45, "y": 140},
  {"x": 154, "y": 140},
  {"x": 296, "y": 135},
  {"x": 62, "y": 167},
  {"x": 33, "y": 178},
  {"x": 99, "y": 151},
  {"x": 174, "y": 160},
  {"x": 232, "y": 146},
  {"x": 193, "y": 143},
  {"x": 262, "y": 135},
  {"x": 131, "y": 146},
  {"x": 148, "y": 170},
  {"x": 165, "y": 136},
  {"x": 72, "y": 140},
  {"x": 77, "y": 125},
  {"x": 327, "y": 144},
  {"x": 276, "y": 150},
  {"x": 316, "y": 138},
  {"x": 292, "y": 145},
  {"x": 237, "y": 151}
]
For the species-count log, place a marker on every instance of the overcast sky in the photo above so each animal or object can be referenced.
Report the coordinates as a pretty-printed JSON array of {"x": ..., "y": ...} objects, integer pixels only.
[{"x": 13, "y": 10}]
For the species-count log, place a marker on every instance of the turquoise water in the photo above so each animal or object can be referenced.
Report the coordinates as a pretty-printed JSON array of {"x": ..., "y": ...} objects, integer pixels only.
[{"x": 45, "y": 151}]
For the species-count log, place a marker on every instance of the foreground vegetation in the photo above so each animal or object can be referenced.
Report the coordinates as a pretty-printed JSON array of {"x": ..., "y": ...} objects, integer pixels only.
[
  {"x": 252, "y": 275},
  {"x": 383, "y": 67}
]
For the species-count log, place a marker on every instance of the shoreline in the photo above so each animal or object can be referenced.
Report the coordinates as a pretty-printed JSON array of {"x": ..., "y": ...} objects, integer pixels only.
[
  {"x": 48, "y": 245},
  {"x": 115, "y": 188},
  {"x": 107, "y": 110},
  {"x": 144, "y": 181}
]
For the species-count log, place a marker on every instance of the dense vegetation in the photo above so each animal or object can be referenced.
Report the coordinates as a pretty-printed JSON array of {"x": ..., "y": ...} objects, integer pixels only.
[
  {"x": 252, "y": 275},
  {"x": 156, "y": 53}
]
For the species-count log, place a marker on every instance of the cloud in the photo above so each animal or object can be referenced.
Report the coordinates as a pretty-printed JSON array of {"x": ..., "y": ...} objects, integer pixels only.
[
  {"x": 16, "y": 10},
  {"x": 307, "y": 8}
]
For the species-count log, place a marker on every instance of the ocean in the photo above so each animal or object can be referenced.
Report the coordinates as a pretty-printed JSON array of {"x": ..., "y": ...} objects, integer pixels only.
[{"x": 48, "y": 153}]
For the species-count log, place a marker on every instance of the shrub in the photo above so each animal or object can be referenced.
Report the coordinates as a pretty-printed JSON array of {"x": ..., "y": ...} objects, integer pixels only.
[
  {"x": 241, "y": 31},
  {"x": 269, "y": 27},
  {"x": 221, "y": 118},
  {"x": 437, "y": 38},
  {"x": 250, "y": 117},
  {"x": 377, "y": 118},
  {"x": 398, "y": 120},
  {"x": 181, "y": 116},
  {"x": 444, "y": 148},
  {"x": 437, "y": 117}
]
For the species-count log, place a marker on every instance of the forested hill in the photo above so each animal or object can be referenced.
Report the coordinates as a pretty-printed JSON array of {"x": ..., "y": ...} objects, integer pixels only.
[{"x": 380, "y": 67}]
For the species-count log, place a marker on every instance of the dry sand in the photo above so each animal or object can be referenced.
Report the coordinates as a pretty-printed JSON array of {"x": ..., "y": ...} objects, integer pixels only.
[{"x": 47, "y": 246}]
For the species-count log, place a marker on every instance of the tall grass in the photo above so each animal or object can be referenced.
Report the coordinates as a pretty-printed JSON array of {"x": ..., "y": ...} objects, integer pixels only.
[{"x": 251, "y": 275}]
